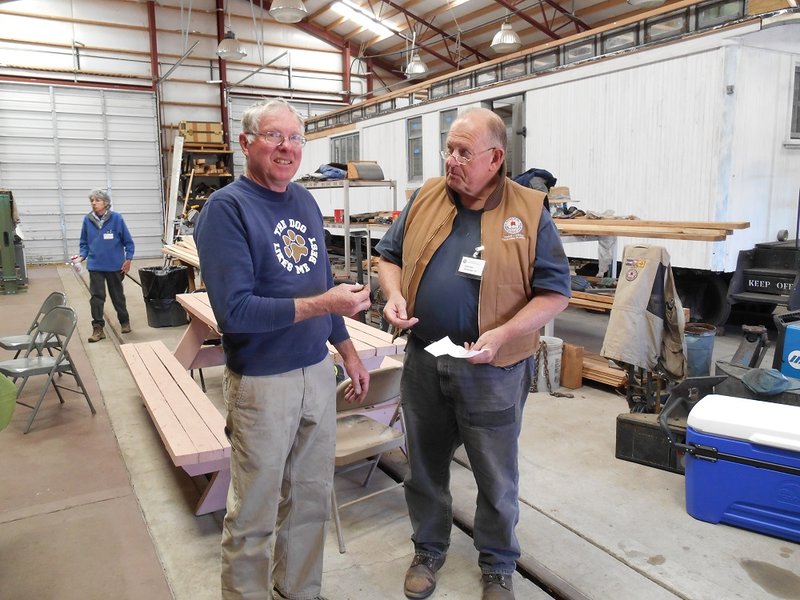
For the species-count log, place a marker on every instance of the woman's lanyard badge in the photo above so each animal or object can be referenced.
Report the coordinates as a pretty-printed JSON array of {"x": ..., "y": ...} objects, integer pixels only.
[{"x": 472, "y": 266}]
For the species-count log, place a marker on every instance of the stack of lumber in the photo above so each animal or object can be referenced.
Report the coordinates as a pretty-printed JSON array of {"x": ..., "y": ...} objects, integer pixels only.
[
  {"x": 592, "y": 301},
  {"x": 596, "y": 368},
  {"x": 183, "y": 250},
  {"x": 704, "y": 231}
]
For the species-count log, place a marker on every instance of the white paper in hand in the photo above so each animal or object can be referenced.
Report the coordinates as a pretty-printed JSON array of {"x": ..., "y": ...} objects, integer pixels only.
[{"x": 445, "y": 346}]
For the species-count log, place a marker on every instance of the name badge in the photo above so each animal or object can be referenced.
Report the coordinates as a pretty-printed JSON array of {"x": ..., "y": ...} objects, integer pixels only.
[
  {"x": 108, "y": 235},
  {"x": 471, "y": 267}
]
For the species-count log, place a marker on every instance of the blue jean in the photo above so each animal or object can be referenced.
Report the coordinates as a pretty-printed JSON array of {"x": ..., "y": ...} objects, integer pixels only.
[{"x": 446, "y": 402}]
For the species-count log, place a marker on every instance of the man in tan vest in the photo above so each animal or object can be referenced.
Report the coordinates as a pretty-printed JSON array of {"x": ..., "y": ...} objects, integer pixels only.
[{"x": 476, "y": 258}]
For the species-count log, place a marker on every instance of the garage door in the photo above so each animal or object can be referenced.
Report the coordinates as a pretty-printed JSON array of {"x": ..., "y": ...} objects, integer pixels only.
[{"x": 59, "y": 143}]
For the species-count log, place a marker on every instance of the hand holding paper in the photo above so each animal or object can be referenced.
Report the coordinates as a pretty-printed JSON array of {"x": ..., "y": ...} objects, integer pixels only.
[{"x": 445, "y": 346}]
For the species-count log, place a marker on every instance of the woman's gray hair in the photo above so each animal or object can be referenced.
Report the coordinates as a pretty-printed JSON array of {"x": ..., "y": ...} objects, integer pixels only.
[
  {"x": 101, "y": 195},
  {"x": 253, "y": 115}
]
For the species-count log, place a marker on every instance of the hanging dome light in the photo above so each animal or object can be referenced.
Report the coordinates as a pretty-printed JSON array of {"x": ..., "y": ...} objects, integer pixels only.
[
  {"x": 506, "y": 40},
  {"x": 416, "y": 69},
  {"x": 646, "y": 3},
  {"x": 288, "y": 11},
  {"x": 230, "y": 48}
]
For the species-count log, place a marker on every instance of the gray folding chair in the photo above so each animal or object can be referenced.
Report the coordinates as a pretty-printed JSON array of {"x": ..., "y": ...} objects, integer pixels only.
[
  {"x": 19, "y": 343},
  {"x": 360, "y": 440},
  {"x": 56, "y": 328}
]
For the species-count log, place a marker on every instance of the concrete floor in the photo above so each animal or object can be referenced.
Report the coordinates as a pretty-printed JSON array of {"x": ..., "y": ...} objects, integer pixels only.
[{"x": 92, "y": 507}]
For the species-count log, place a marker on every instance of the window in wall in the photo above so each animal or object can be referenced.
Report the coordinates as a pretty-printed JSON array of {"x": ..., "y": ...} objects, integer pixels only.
[
  {"x": 446, "y": 118},
  {"x": 719, "y": 12},
  {"x": 486, "y": 76},
  {"x": 578, "y": 51},
  {"x": 795, "y": 133},
  {"x": 414, "y": 134},
  {"x": 619, "y": 39},
  {"x": 345, "y": 148},
  {"x": 441, "y": 89},
  {"x": 512, "y": 69},
  {"x": 544, "y": 61},
  {"x": 665, "y": 27}
]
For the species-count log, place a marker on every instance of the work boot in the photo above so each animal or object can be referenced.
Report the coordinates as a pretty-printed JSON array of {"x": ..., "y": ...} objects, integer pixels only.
[
  {"x": 97, "y": 334},
  {"x": 497, "y": 586},
  {"x": 421, "y": 576},
  {"x": 125, "y": 327}
]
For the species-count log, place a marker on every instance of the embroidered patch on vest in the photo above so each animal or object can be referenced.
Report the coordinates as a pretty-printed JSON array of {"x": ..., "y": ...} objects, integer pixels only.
[
  {"x": 632, "y": 267},
  {"x": 513, "y": 227}
]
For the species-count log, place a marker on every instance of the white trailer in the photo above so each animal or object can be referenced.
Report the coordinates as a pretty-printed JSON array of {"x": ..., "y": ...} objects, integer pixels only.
[{"x": 700, "y": 126}]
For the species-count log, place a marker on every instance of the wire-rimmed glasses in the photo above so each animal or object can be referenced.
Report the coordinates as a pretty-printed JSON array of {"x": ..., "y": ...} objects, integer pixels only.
[
  {"x": 464, "y": 158},
  {"x": 276, "y": 138}
]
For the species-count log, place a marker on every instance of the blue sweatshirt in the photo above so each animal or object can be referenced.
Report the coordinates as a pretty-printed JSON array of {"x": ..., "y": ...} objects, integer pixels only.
[
  {"x": 107, "y": 248},
  {"x": 258, "y": 251}
]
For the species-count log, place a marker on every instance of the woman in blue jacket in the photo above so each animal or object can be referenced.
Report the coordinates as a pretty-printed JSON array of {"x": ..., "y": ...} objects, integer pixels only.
[{"x": 108, "y": 247}]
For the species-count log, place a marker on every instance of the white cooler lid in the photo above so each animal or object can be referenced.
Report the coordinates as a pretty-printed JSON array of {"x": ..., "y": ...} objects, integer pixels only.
[{"x": 766, "y": 423}]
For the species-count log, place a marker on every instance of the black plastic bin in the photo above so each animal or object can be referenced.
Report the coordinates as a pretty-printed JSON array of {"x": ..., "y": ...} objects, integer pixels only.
[{"x": 160, "y": 285}]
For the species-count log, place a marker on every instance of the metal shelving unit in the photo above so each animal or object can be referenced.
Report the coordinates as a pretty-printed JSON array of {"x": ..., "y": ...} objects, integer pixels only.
[{"x": 346, "y": 185}]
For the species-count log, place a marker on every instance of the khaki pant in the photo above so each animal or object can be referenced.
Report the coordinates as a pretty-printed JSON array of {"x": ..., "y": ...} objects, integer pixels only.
[{"x": 282, "y": 430}]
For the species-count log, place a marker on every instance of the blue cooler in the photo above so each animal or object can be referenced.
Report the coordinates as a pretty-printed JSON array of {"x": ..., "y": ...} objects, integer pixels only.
[{"x": 743, "y": 467}]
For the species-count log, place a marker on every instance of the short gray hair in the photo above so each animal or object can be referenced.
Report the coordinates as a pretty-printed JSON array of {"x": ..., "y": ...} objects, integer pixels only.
[
  {"x": 101, "y": 195},
  {"x": 253, "y": 115}
]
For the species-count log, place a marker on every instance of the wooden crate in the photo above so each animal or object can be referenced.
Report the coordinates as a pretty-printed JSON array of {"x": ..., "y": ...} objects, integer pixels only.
[{"x": 201, "y": 132}]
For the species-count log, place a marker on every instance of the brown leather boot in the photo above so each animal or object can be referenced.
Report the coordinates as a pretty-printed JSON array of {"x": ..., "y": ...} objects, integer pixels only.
[
  {"x": 97, "y": 334},
  {"x": 421, "y": 576}
]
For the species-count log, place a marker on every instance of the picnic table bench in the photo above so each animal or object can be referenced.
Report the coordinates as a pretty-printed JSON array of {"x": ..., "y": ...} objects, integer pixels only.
[{"x": 191, "y": 427}]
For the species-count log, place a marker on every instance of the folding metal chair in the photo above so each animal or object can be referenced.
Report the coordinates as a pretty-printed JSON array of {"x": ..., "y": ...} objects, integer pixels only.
[
  {"x": 55, "y": 329},
  {"x": 360, "y": 440},
  {"x": 21, "y": 342}
]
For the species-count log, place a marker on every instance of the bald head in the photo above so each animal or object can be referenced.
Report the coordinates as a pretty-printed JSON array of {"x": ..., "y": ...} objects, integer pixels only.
[{"x": 486, "y": 120}]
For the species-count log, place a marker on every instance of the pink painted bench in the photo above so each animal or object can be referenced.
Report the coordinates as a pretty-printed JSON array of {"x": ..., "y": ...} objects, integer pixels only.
[{"x": 191, "y": 427}]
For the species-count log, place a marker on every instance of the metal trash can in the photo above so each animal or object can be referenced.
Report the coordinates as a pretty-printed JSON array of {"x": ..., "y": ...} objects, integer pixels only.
[
  {"x": 699, "y": 348},
  {"x": 160, "y": 285}
]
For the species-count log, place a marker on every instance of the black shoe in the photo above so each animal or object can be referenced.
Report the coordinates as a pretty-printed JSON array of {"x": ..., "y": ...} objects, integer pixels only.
[{"x": 421, "y": 576}]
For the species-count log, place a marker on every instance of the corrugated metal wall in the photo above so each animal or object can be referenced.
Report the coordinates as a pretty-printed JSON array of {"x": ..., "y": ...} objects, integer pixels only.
[{"x": 59, "y": 143}]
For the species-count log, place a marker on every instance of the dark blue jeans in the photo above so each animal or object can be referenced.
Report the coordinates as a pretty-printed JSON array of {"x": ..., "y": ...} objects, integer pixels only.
[
  {"x": 446, "y": 402},
  {"x": 97, "y": 288}
]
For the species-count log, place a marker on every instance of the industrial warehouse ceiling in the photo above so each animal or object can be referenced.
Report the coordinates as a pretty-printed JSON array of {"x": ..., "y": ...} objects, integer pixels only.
[{"x": 453, "y": 34}]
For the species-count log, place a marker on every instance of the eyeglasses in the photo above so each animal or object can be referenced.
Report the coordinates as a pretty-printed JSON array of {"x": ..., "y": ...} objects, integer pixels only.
[
  {"x": 275, "y": 138},
  {"x": 463, "y": 159}
]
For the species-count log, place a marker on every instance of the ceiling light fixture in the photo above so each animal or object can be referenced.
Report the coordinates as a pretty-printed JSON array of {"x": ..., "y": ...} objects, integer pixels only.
[
  {"x": 416, "y": 69},
  {"x": 229, "y": 47},
  {"x": 288, "y": 11},
  {"x": 380, "y": 27},
  {"x": 506, "y": 40},
  {"x": 646, "y": 3}
]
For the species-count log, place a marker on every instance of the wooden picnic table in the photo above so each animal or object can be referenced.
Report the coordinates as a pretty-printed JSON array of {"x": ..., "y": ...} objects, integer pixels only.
[{"x": 372, "y": 344}]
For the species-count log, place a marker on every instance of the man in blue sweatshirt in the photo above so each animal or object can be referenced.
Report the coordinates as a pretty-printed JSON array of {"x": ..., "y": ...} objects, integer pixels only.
[
  {"x": 261, "y": 245},
  {"x": 107, "y": 246}
]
